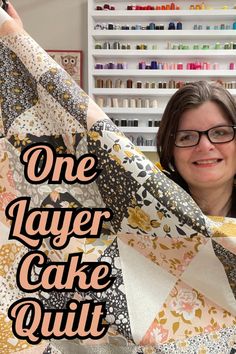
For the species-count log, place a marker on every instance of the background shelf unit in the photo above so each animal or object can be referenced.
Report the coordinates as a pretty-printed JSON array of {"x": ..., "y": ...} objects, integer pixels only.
[
  {"x": 165, "y": 34},
  {"x": 159, "y": 43},
  {"x": 166, "y": 14},
  {"x": 114, "y": 53}
]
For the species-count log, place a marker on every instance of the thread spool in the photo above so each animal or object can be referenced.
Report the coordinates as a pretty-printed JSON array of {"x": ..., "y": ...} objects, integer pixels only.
[
  {"x": 129, "y": 83},
  {"x": 179, "y": 26},
  {"x": 129, "y": 123},
  {"x": 106, "y": 45},
  {"x": 139, "y": 84},
  {"x": 139, "y": 103},
  {"x": 154, "y": 103},
  {"x": 125, "y": 103},
  {"x": 108, "y": 102},
  {"x": 146, "y": 103},
  {"x": 171, "y": 84},
  {"x": 149, "y": 142},
  {"x": 180, "y": 66},
  {"x": 116, "y": 45},
  {"x": 118, "y": 83},
  {"x": 132, "y": 103},
  {"x": 98, "y": 46},
  {"x": 110, "y": 65},
  {"x": 115, "y": 102},
  {"x": 108, "y": 83},
  {"x": 165, "y": 66},
  {"x": 99, "y": 83},
  {"x": 98, "y": 66},
  {"x": 100, "y": 101},
  {"x": 140, "y": 140}
]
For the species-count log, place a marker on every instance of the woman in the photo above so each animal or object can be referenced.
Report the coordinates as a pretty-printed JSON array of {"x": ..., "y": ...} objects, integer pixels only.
[{"x": 197, "y": 145}]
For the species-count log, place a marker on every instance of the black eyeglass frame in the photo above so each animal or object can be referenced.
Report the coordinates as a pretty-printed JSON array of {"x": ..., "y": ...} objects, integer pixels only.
[{"x": 205, "y": 132}]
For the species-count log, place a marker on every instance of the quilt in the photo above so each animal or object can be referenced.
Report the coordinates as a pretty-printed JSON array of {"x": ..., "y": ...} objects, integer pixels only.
[{"x": 164, "y": 273}]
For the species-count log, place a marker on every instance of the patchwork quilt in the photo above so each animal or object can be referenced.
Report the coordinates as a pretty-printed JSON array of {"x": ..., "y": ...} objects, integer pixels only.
[{"x": 173, "y": 268}]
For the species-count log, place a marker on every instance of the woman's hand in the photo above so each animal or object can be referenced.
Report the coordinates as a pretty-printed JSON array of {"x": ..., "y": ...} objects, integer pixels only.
[{"x": 12, "y": 12}]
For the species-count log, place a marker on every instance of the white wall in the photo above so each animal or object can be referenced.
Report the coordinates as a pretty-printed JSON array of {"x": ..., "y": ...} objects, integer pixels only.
[{"x": 57, "y": 24}]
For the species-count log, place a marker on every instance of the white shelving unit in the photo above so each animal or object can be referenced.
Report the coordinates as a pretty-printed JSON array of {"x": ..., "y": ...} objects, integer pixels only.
[
  {"x": 161, "y": 47},
  {"x": 96, "y": 53},
  {"x": 166, "y": 35}
]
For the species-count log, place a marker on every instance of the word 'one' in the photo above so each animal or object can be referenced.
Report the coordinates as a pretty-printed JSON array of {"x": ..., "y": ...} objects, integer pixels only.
[{"x": 42, "y": 163}]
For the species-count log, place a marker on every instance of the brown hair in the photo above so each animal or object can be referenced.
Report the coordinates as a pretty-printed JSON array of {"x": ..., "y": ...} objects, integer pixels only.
[{"x": 190, "y": 96}]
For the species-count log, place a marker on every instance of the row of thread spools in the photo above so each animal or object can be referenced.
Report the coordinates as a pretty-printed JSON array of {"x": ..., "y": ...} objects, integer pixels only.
[
  {"x": 137, "y": 27},
  {"x": 129, "y": 83},
  {"x": 142, "y": 141},
  {"x": 171, "y": 26},
  {"x": 135, "y": 122},
  {"x": 171, "y": 84},
  {"x": 126, "y": 102},
  {"x": 171, "y": 6},
  {"x": 163, "y": 7},
  {"x": 155, "y": 65},
  {"x": 176, "y": 46}
]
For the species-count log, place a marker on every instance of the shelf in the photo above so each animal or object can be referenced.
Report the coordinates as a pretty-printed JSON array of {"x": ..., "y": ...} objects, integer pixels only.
[
  {"x": 135, "y": 92},
  {"x": 147, "y": 148},
  {"x": 168, "y": 15},
  {"x": 139, "y": 130},
  {"x": 166, "y": 34},
  {"x": 164, "y": 73},
  {"x": 190, "y": 53},
  {"x": 134, "y": 111},
  {"x": 141, "y": 92}
]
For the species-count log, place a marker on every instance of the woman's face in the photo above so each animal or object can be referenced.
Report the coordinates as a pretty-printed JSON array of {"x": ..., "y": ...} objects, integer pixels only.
[{"x": 205, "y": 165}]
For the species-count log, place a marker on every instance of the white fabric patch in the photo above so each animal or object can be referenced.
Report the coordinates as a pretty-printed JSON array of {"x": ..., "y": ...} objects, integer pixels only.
[
  {"x": 146, "y": 286},
  {"x": 4, "y": 234},
  {"x": 206, "y": 274}
]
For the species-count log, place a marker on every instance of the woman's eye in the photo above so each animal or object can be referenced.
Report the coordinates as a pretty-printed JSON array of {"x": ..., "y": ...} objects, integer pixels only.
[
  {"x": 186, "y": 137},
  {"x": 221, "y": 132}
]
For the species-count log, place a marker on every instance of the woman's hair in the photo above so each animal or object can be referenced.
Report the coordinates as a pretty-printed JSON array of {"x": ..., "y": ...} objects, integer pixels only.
[{"x": 190, "y": 96}]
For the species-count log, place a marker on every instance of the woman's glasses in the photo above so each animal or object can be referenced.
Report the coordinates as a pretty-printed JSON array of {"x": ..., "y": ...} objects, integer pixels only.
[{"x": 216, "y": 135}]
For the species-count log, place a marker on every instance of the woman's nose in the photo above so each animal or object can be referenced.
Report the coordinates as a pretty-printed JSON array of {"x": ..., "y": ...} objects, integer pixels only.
[{"x": 204, "y": 143}]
